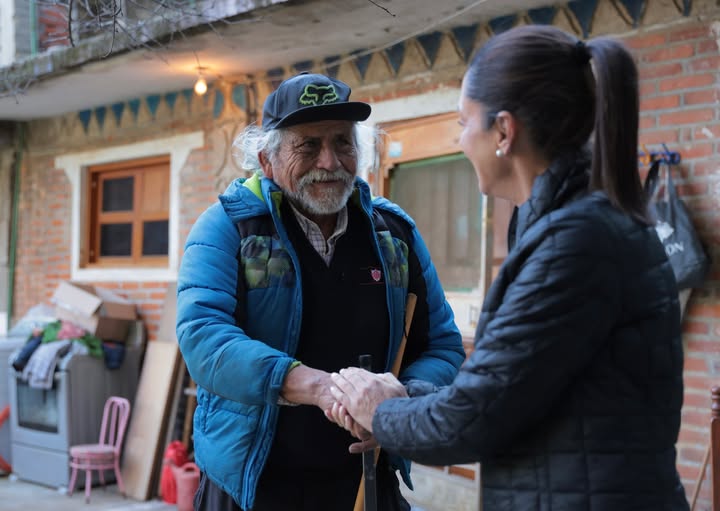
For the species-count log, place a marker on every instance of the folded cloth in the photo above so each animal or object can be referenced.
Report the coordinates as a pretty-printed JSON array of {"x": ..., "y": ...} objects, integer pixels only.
[
  {"x": 40, "y": 369},
  {"x": 21, "y": 359}
]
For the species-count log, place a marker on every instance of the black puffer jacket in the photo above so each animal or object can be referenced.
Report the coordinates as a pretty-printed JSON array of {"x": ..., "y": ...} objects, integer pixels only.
[{"x": 571, "y": 399}]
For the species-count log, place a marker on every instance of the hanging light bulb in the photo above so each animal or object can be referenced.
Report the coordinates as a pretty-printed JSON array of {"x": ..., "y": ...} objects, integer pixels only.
[{"x": 200, "y": 85}]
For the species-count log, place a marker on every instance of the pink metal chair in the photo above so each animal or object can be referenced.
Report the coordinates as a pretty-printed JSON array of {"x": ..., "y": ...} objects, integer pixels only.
[{"x": 104, "y": 455}]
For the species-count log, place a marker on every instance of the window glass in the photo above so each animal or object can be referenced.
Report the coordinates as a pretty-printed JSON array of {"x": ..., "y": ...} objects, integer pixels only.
[
  {"x": 442, "y": 196},
  {"x": 115, "y": 240},
  {"x": 155, "y": 238},
  {"x": 117, "y": 194}
]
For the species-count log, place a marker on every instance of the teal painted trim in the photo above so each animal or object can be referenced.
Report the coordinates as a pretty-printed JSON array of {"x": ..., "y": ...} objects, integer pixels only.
[
  {"x": 635, "y": 8},
  {"x": 502, "y": 23},
  {"x": 465, "y": 38},
  {"x": 362, "y": 62},
  {"x": 85, "y": 116},
  {"x": 302, "y": 66},
  {"x": 170, "y": 99},
  {"x": 542, "y": 15},
  {"x": 432, "y": 161},
  {"x": 100, "y": 116},
  {"x": 134, "y": 105},
  {"x": 396, "y": 55},
  {"x": 117, "y": 110},
  {"x": 33, "y": 28},
  {"x": 152, "y": 101},
  {"x": 584, "y": 11},
  {"x": 188, "y": 93},
  {"x": 276, "y": 76},
  {"x": 219, "y": 104},
  {"x": 331, "y": 65},
  {"x": 19, "y": 147},
  {"x": 239, "y": 96},
  {"x": 431, "y": 44}
]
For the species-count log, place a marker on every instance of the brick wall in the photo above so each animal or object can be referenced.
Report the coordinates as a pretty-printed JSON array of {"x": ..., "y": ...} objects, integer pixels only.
[
  {"x": 680, "y": 103},
  {"x": 52, "y": 24}
]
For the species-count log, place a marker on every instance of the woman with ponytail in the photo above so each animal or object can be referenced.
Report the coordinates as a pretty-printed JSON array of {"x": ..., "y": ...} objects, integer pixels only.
[{"x": 571, "y": 398}]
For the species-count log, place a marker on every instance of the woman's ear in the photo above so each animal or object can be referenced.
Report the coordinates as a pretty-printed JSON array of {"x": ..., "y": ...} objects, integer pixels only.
[
  {"x": 265, "y": 165},
  {"x": 506, "y": 126}
]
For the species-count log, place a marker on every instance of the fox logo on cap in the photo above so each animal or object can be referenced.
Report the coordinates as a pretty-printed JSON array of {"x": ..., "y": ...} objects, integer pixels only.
[{"x": 318, "y": 95}]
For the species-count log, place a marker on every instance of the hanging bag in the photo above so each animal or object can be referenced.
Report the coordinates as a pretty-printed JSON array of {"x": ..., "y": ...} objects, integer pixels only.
[{"x": 688, "y": 257}]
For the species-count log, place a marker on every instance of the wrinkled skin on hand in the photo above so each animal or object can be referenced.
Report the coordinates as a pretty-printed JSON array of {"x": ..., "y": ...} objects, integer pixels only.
[{"x": 358, "y": 393}]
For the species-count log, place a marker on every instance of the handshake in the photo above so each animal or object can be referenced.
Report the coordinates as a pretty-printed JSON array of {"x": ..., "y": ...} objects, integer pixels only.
[{"x": 354, "y": 395}]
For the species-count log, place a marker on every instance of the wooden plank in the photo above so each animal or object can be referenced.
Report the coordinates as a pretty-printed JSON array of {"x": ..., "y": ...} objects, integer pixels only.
[
  {"x": 166, "y": 331},
  {"x": 715, "y": 448},
  {"x": 142, "y": 455}
]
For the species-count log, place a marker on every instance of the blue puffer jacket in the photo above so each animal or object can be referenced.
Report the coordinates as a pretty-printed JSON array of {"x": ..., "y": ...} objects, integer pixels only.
[
  {"x": 571, "y": 399},
  {"x": 256, "y": 276}
]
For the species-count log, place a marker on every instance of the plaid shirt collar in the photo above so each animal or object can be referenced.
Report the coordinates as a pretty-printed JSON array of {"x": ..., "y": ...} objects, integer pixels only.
[{"x": 326, "y": 248}]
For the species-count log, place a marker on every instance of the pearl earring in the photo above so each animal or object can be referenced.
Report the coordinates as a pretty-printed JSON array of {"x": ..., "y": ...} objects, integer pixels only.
[{"x": 499, "y": 153}]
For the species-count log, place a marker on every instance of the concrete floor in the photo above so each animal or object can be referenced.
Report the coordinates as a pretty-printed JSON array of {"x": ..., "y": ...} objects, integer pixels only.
[{"x": 18, "y": 495}]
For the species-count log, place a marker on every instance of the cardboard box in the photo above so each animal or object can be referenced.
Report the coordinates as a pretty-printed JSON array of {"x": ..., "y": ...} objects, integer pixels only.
[{"x": 99, "y": 311}]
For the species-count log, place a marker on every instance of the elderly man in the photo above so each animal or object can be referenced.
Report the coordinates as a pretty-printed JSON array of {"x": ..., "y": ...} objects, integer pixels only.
[{"x": 292, "y": 275}]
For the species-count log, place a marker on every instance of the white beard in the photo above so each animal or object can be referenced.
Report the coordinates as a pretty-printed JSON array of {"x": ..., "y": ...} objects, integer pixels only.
[{"x": 329, "y": 201}]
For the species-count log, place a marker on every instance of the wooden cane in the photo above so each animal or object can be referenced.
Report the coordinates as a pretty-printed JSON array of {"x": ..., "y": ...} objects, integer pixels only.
[{"x": 409, "y": 311}]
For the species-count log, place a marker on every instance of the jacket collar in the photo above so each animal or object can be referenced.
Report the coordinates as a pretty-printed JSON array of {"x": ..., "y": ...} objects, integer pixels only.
[{"x": 565, "y": 179}]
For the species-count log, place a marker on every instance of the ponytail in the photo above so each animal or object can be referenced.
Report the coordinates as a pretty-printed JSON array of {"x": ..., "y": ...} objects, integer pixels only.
[{"x": 614, "y": 166}]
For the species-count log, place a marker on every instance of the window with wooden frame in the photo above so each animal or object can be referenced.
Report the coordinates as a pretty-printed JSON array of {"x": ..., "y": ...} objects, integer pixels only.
[
  {"x": 424, "y": 171},
  {"x": 128, "y": 213}
]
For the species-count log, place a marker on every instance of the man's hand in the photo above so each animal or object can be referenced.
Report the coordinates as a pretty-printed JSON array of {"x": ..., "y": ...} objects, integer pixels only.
[
  {"x": 360, "y": 392},
  {"x": 307, "y": 386}
]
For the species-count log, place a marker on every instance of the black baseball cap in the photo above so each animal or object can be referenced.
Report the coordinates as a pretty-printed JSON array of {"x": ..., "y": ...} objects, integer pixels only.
[{"x": 311, "y": 97}]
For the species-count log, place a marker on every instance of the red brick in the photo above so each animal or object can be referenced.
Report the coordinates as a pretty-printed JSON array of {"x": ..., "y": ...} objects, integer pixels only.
[
  {"x": 691, "y": 436},
  {"x": 706, "y": 133},
  {"x": 696, "y": 327},
  {"x": 705, "y": 310},
  {"x": 659, "y": 102},
  {"x": 646, "y": 41},
  {"x": 706, "y": 168},
  {"x": 687, "y": 82},
  {"x": 683, "y": 51},
  {"x": 658, "y": 71},
  {"x": 692, "y": 454},
  {"x": 708, "y": 97},
  {"x": 687, "y": 116},
  {"x": 698, "y": 149},
  {"x": 684, "y": 34},
  {"x": 694, "y": 363},
  {"x": 695, "y": 418},
  {"x": 651, "y": 137},
  {"x": 706, "y": 46},
  {"x": 698, "y": 346},
  {"x": 706, "y": 63},
  {"x": 647, "y": 121}
]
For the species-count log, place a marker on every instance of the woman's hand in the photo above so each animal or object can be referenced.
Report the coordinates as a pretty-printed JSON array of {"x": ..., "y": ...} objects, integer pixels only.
[
  {"x": 340, "y": 416},
  {"x": 360, "y": 392}
]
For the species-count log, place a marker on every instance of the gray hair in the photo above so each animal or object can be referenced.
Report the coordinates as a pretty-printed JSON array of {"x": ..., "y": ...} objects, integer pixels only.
[{"x": 253, "y": 140}]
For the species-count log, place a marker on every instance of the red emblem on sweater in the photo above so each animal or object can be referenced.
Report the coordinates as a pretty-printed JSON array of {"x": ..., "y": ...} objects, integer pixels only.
[{"x": 375, "y": 274}]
